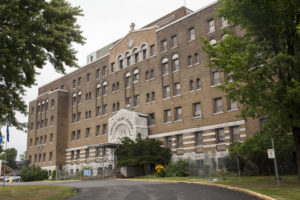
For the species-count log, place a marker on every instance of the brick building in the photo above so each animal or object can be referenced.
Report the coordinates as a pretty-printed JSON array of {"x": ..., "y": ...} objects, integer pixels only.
[{"x": 152, "y": 81}]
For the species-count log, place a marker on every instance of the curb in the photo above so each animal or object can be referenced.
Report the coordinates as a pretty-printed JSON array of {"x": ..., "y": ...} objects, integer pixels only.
[{"x": 249, "y": 192}]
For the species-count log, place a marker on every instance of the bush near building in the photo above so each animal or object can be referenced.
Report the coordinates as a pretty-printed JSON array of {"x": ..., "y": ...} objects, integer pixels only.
[
  {"x": 33, "y": 174},
  {"x": 179, "y": 168}
]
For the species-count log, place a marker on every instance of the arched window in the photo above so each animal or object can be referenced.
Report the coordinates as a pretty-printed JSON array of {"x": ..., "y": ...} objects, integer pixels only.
[
  {"x": 147, "y": 75},
  {"x": 118, "y": 86},
  {"x": 136, "y": 55},
  {"x": 165, "y": 67},
  {"x": 198, "y": 84},
  {"x": 120, "y": 62},
  {"x": 190, "y": 60},
  {"x": 128, "y": 58},
  {"x": 191, "y": 85},
  {"x": 144, "y": 51},
  {"x": 79, "y": 97},
  {"x": 175, "y": 62},
  {"x": 104, "y": 88},
  {"x": 196, "y": 58},
  {"x": 74, "y": 99},
  {"x": 213, "y": 42},
  {"x": 113, "y": 87},
  {"x": 98, "y": 90},
  {"x": 147, "y": 98},
  {"x": 136, "y": 76},
  {"x": 127, "y": 79}
]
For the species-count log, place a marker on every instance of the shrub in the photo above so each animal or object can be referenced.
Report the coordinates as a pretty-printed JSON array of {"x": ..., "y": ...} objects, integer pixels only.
[
  {"x": 178, "y": 168},
  {"x": 160, "y": 171},
  {"x": 33, "y": 174},
  {"x": 53, "y": 174}
]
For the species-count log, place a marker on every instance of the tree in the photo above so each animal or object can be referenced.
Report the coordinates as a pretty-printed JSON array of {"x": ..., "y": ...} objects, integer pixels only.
[
  {"x": 32, "y": 33},
  {"x": 11, "y": 155},
  {"x": 142, "y": 152},
  {"x": 262, "y": 66}
]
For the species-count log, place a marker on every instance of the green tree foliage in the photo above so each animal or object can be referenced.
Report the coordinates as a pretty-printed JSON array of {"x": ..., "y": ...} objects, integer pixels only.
[
  {"x": 142, "y": 152},
  {"x": 33, "y": 32},
  {"x": 179, "y": 168},
  {"x": 11, "y": 156},
  {"x": 262, "y": 67},
  {"x": 253, "y": 157},
  {"x": 33, "y": 174}
]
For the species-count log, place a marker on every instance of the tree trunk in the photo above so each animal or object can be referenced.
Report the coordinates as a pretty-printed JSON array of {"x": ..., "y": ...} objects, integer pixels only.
[{"x": 296, "y": 134}]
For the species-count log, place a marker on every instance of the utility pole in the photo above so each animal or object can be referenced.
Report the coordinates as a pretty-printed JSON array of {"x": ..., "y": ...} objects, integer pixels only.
[{"x": 275, "y": 163}]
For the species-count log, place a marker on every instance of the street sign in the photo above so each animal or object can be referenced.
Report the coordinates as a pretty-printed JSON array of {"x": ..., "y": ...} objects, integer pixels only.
[
  {"x": 271, "y": 154},
  {"x": 87, "y": 172}
]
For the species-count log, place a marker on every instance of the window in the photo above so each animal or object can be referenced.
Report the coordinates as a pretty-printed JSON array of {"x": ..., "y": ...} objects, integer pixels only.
[
  {"x": 147, "y": 98},
  {"x": 198, "y": 84},
  {"x": 97, "y": 152},
  {"x": 51, "y": 137},
  {"x": 29, "y": 159},
  {"x": 147, "y": 75},
  {"x": 97, "y": 73},
  {"x": 177, "y": 89},
  {"x": 113, "y": 87},
  {"x": 97, "y": 130},
  {"x": 74, "y": 83},
  {"x": 104, "y": 92},
  {"x": 198, "y": 138},
  {"x": 175, "y": 62},
  {"x": 112, "y": 67},
  {"x": 78, "y": 116},
  {"x": 79, "y": 97},
  {"x": 136, "y": 100},
  {"x": 235, "y": 133},
  {"x": 104, "y": 127},
  {"x": 164, "y": 45},
  {"x": 152, "y": 74},
  {"x": 87, "y": 132},
  {"x": 104, "y": 109},
  {"x": 41, "y": 139},
  {"x": 166, "y": 92},
  {"x": 127, "y": 80},
  {"x": 52, "y": 103},
  {"x": 37, "y": 124},
  {"x": 136, "y": 55},
  {"x": 192, "y": 35},
  {"x": 32, "y": 110},
  {"x": 104, "y": 71},
  {"x": 144, "y": 51},
  {"x": 151, "y": 119},
  {"x": 224, "y": 22},
  {"x": 189, "y": 60},
  {"x": 216, "y": 78},
  {"x": 74, "y": 99},
  {"x": 174, "y": 41},
  {"x": 165, "y": 67},
  {"x": 35, "y": 158},
  {"x": 77, "y": 154},
  {"x": 179, "y": 140},
  {"x": 211, "y": 26},
  {"x": 196, "y": 58},
  {"x": 44, "y": 157},
  {"x": 73, "y": 118},
  {"x": 191, "y": 85},
  {"x": 30, "y": 143},
  {"x": 178, "y": 114},
  {"x": 128, "y": 59},
  {"x": 197, "y": 109},
  {"x": 114, "y": 107},
  {"x": 87, "y": 153},
  {"x": 31, "y": 126},
  {"x": 98, "y": 90},
  {"x": 73, "y": 136},
  {"x": 169, "y": 142},
  {"x": 86, "y": 114},
  {"x": 51, "y": 120},
  {"x": 79, "y": 81},
  {"x": 72, "y": 155},
  {"x": 45, "y": 139},
  {"x": 218, "y": 106},
  {"x": 117, "y": 86},
  {"x": 78, "y": 134},
  {"x": 167, "y": 116},
  {"x": 128, "y": 101},
  {"x": 136, "y": 76},
  {"x": 152, "y": 50},
  {"x": 232, "y": 105},
  {"x": 220, "y": 135},
  {"x": 153, "y": 96},
  {"x": 88, "y": 77},
  {"x": 120, "y": 60}
]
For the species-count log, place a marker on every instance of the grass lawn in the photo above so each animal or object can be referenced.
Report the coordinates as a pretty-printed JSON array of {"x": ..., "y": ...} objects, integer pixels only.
[
  {"x": 30, "y": 192},
  {"x": 289, "y": 190}
]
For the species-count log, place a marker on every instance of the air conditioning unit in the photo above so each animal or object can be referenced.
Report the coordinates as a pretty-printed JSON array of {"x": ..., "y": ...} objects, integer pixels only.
[{"x": 127, "y": 106}]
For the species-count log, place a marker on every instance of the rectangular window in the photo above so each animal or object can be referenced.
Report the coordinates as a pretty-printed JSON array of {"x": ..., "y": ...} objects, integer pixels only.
[
  {"x": 51, "y": 120},
  {"x": 78, "y": 134},
  {"x": 218, "y": 105},
  {"x": 196, "y": 58},
  {"x": 104, "y": 109},
  {"x": 151, "y": 119},
  {"x": 235, "y": 133},
  {"x": 44, "y": 157},
  {"x": 97, "y": 73},
  {"x": 211, "y": 26},
  {"x": 169, "y": 142},
  {"x": 79, "y": 81},
  {"x": 112, "y": 67},
  {"x": 104, "y": 131},
  {"x": 167, "y": 116},
  {"x": 232, "y": 105},
  {"x": 174, "y": 41},
  {"x": 50, "y": 156},
  {"x": 178, "y": 114},
  {"x": 98, "y": 130},
  {"x": 87, "y": 132},
  {"x": 45, "y": 139},
  {"x": 52, "y": 103},
  {"x": 136, "y": 100},
  {"x": 175, "y": 65},
  {"x": 128, "y": 101},
  {"x": 73, "y": 135},
  {"x": 78, "y": 116},
  {"x": 220, "y": 135},
  {"x": 152, "y": 50},
  {"x": 177, "y": 89},
  {"x": 77, "y": 154},
  {"x": 164, "y": 45},
  {"x": 147, "y": 98},
  {"x": 179, "y": 140},
  {"x": 74, "y": 83},
  {"x": 30, "y": 143},
  {"x": 98, "y": 109},
  {"x": 153, "y": 96},
  {"x": 87, "y": 153},
  {"x": 51, "y": 137},
  {"x": 198, "y": 84},
  {"x": 88, "y": 77},
  {"x": 197, "y": 109},
  {"x": 192, "y": 35},
  {"x": 165, "y": 68},
  {"x": 166, "y": 92},
  {"x": 152, "y": 74},
  {"x": 97, "y": 154},
  {"x": 198, "y": 138},
  {"x": 104, "y": 71},
  {"x": 72, "y": 155},
  {"x": 216, "y": 78}
]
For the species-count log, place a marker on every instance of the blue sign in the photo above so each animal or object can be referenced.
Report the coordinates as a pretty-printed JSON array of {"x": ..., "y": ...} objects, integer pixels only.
[{"x": 87, "y": 172}]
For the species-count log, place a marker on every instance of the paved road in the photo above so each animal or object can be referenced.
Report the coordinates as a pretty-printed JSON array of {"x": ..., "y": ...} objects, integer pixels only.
[{"x": 144, "y": 190}]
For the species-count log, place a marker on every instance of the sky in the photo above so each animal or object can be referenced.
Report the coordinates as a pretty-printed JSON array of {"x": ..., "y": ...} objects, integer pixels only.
[{"x": 103, "y": 22}]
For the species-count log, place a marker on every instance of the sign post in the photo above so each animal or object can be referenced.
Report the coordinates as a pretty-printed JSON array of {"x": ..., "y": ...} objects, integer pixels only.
[{"x": 271, "y": 155}]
